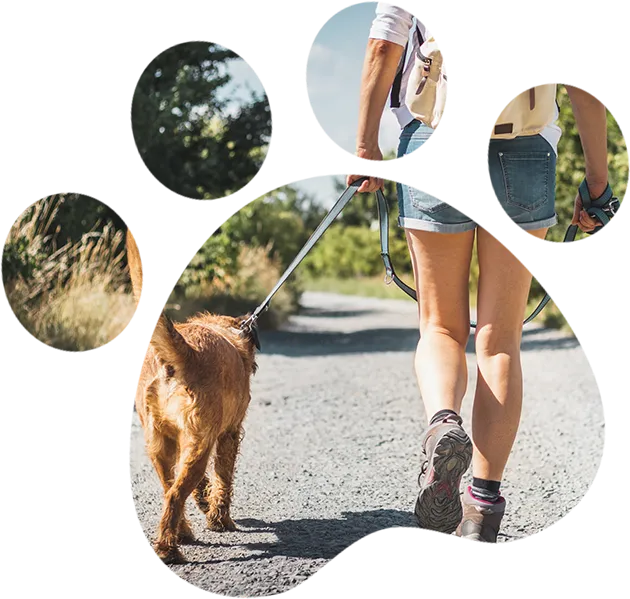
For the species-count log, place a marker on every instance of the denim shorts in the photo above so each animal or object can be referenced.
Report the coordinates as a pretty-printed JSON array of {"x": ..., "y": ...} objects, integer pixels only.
[
  {"x": 521, "y": 182},
  {"x": 419, "y": 207},
  {"x": 523, "y": 175}
]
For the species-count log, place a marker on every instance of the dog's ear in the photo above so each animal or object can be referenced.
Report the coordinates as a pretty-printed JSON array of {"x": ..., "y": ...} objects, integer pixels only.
[{"x": 253, "y": 331}]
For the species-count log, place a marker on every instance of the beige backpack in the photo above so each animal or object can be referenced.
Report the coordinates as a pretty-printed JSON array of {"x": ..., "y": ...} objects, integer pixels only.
[
  {"x": 528, "y": 114},
  {"x": 426, "y": 89}
]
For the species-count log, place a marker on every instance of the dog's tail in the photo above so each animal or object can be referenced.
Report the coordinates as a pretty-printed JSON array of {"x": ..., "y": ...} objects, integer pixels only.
[{"x": 169, "y": 344}]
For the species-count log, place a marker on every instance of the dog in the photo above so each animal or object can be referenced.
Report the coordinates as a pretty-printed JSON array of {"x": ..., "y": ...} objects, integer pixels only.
[
  {"x": 192, "y": 397},
  {"x": 136, "y": 268}
]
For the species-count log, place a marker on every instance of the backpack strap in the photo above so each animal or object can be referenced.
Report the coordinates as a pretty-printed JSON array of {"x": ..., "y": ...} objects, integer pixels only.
[{"x": 394, "y": 101}]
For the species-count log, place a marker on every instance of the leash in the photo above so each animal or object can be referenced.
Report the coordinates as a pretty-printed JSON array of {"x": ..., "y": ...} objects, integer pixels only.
[
  {"x": 390, "y": 275},
  {"x": 333, "y": 213},
  {"x": 605, "y": 208},
  {"x": 602, "y": 209}
]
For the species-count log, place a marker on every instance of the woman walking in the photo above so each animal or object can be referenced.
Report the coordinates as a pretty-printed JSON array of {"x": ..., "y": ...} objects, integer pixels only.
[{"x": 440, "y": 241}]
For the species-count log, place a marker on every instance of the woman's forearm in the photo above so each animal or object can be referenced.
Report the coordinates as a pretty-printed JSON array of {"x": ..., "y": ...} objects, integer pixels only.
[
  {"x": 590, "y": 116},
  {"x": 379, "y": 69}
]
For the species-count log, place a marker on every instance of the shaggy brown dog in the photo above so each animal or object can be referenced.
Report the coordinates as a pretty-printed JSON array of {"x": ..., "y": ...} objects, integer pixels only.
[
  {"x": 192, "y": 397},
  {"x": 136, "y": 268}
]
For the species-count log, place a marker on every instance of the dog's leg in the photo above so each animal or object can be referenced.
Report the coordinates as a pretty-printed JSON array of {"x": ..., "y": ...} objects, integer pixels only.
[
  {"x": 193, "y": 462},
  {"x": 201, "y": 493},
  {"x": 163, "y": 452},
  {"x": 218, "y": 515}
]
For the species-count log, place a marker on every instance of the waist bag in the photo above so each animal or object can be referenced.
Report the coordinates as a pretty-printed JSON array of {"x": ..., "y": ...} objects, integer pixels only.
[
  {"x": 527, "y": 114},
  {"x": 426, "y": 88}
]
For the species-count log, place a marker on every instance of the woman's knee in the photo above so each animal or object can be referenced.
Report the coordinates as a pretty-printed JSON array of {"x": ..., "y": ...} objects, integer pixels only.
[
  {"x": 492, "y": 341},
  {"x": 458, "y": 333}
]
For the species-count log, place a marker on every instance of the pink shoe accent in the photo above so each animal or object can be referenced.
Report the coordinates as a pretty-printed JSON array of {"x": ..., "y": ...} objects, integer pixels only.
[
  {"x": 445, "y": 488},
  {"x": 500, "y": 500}
]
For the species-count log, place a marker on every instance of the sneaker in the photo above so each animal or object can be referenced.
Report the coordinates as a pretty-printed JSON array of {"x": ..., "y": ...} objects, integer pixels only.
[
  {"x": 482, "y": 519},
  {"x": 447, "y": 453}
]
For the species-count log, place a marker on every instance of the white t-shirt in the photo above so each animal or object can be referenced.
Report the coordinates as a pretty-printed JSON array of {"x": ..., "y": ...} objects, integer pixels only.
[
  {"x": 394, "y": 24},
  {"x": 552, "y": 132}
]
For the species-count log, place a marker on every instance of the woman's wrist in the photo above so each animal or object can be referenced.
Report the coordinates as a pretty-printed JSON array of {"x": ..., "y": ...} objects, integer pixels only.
[
  {"x": 369, "y": 151},
  {"x": 596, "y": 185}
]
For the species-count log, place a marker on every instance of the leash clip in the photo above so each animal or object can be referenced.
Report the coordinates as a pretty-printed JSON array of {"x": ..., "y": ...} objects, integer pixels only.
[
  {"x": 389, "y": 278},
  {"x": 247, "y": 324},
  {"x": 613, "y": 206}
]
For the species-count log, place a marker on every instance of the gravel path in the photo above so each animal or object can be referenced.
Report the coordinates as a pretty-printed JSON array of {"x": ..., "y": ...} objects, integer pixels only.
[{"x": 331, "y": 449}]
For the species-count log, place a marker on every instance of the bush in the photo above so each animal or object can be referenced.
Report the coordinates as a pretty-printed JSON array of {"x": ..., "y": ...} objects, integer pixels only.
[
  {"x": 235, "y": 268},
  {"x": 255, "y": 275}
]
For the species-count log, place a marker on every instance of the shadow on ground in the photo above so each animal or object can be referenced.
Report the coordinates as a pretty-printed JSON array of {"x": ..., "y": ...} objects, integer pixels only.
[
  {"x": 313, "y": 538},
  {"x": 317, "y": 343},
  {"x": 316, "y": 538},
  {"x": 317, "y": 313}
]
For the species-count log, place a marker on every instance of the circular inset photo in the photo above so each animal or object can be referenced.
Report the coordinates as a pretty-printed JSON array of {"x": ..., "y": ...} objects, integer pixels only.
[
  {"x": 67, "y": 272},
  {"x": 558, "y": 162},
  {"x": 377, "y": 81},
  {"x": 201, "y": 120}
]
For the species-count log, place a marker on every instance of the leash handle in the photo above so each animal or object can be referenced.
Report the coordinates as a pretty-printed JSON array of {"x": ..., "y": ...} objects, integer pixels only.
[{"x": 605, "y": 208}]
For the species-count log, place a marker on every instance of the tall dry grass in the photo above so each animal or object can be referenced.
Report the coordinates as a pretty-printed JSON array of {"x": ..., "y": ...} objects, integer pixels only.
[{"x": 75, "y": 296}]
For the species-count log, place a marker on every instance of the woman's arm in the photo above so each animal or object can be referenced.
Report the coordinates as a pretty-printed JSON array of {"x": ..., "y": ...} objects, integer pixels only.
[
  {"x": 389, "y": 35},
  {"x": 379, "y": 69},
  {"x": 590, "y": 116}
]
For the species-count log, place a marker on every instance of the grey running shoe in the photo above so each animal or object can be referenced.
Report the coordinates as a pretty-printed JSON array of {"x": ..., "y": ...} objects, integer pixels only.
[
  {"x": 447, "y": 453},
  {"x": 482, "y": 519}
]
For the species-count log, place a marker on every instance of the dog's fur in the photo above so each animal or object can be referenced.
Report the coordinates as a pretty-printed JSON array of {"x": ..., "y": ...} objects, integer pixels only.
[
  {"x": 136, "y": 268},
  {"x": 192, "y": 397}
]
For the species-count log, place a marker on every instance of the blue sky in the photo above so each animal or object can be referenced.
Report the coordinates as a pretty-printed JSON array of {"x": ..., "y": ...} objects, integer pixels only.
[
  {"x": 333, "y": 62},
  {"x": 239, "y": 90},
  {"x": 334, "y": 77}
]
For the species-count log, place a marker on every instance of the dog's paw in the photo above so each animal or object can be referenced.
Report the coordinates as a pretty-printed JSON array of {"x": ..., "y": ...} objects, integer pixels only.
[
  {"x": 169, "y": 554},
  {"x": 221, "y": 524},
  {"x": 185, "y": 535}
]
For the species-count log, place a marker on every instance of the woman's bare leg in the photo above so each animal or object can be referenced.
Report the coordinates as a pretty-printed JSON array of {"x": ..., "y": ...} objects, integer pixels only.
[
  {"x": 441, "y": 266},
  {"x": 502, "y": 298}
]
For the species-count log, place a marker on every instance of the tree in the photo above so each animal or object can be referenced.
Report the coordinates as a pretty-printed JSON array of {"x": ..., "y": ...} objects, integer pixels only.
[{"x": 187, "y": 134}]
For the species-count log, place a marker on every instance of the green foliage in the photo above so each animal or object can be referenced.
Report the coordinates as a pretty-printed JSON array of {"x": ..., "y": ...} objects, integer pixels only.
[
  {"x": 351, "y": 247},
  {"x": 18, "y": 261},
  {"x": 345, "y": 253},
  {"x": 280, "y": 222},
  {"x": 185, "y": 133}
]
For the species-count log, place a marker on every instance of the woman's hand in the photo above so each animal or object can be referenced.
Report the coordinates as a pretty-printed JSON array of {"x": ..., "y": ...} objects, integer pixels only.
[
  {"x": 373, "y": 183},
  {"x": 581, "y": 218}
]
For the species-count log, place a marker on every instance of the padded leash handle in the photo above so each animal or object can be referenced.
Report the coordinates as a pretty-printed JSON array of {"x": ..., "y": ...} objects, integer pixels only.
[{"x": 605, "y": 208}]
